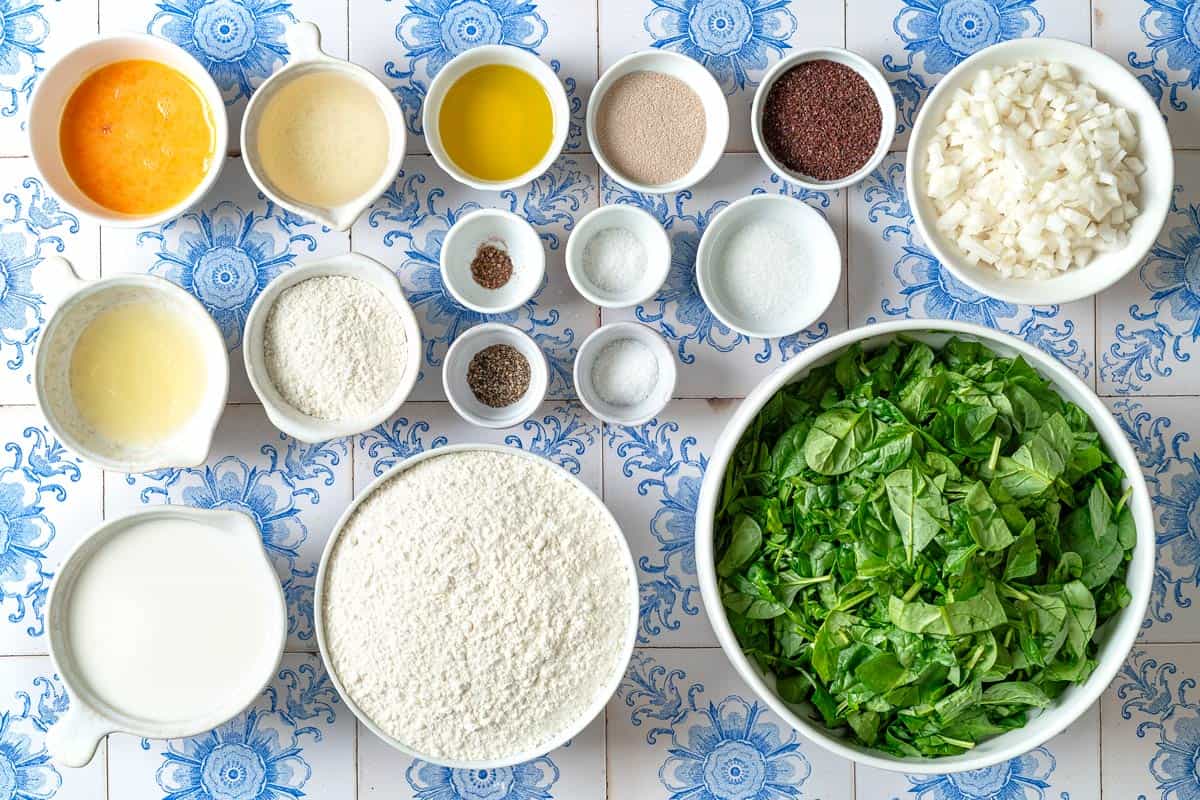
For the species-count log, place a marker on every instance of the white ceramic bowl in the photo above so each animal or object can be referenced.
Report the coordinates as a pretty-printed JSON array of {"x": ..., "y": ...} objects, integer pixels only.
[
  {"x": 824, "y": 264},
  {"x": 654, "y": 402},
  {"x": 878, "y": 84},
  {"x": 458, "y": 391},
  {"x": 76, "y": 302},
  {"x": 55, "y": 87},
  {"x": 645, "y": 228},
  {"x": 73, "y": 739},
  {"x": 282, "y": 414},
  {"x": 588, "y": 714},
  {"x": 691, "y": 72},
  {"x": 1115, "y": 638},
  {"x": 1116, "y": 85},
  {"x": 524, "y": 247},
  {"x": 307, "y": 57},
  {"x": 481, "y": 56}
]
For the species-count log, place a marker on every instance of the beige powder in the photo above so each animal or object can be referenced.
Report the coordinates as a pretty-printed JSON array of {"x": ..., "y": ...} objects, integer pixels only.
[{"x": 651, "y": 127}]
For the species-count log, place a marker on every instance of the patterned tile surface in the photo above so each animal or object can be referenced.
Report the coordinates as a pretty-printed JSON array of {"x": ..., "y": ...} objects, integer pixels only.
[{"x": 682, "y": 724}]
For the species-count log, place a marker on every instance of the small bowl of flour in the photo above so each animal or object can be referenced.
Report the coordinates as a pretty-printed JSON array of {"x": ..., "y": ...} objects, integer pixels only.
[
  {"x": 476, "y": 606},
  {"x": 332, "y": 348}
]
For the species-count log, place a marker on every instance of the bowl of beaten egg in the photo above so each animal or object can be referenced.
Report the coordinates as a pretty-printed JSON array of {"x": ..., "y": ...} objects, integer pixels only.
[
  {"x": 495, "y": 117},
  {"x": 134, "y": 141}
]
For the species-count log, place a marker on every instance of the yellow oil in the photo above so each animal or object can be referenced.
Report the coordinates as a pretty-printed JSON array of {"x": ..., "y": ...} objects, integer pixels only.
[
  {"x": 496, "y": 122},
  {"x": 137, "y": 373}
]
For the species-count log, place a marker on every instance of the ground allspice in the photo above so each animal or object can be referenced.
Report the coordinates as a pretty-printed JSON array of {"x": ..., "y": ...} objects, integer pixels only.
[
  {"x": 821, "y": 119},
  {"x": 498, "y": 375},
  {"x": 492, "y": 267}
]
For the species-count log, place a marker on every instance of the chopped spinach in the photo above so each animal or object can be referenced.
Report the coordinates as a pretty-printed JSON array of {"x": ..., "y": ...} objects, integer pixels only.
[{"x": 921, "y": 543}]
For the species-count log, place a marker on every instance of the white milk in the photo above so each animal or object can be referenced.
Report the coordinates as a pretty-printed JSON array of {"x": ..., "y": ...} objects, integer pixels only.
[{"x": 170, "y": 620}]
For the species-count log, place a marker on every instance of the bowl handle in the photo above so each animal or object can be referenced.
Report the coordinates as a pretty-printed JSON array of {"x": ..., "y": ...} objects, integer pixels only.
[
  {"x": 304, "y": 42},
  {"x": 72, "y": 741},
  {"x": 56, "y": 280}
]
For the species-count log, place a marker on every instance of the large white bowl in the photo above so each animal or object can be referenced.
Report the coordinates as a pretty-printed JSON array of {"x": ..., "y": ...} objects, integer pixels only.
[
  {"x": 1115, "y": 85},
  {"x": 1115, "y": 638}
]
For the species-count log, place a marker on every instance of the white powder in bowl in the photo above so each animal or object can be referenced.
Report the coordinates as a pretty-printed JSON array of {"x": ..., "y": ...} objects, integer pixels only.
[
  {"x": 625, "y": 372},
  {"x": 614, "y": 260},
  {"x": 477, "y": 604},
  {"x": 334, "y": 347}
]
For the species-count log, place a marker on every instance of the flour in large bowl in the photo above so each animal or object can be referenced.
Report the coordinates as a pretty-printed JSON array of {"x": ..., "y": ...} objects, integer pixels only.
[{"x": 477, "y": 605}]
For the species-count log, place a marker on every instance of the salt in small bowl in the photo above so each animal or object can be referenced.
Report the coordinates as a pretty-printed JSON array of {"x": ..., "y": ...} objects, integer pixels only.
[
  {"x": 506, "y": 231},
  {"x": 646, "y": 229},
  {"x": 458, "y": 391},
  {"x": 652, "y": 403}
]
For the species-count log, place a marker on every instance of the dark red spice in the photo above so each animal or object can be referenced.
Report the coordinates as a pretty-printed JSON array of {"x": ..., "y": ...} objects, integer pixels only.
[
  {"x": 821, "y": 119},
  {"x": 491, "y": 268}
]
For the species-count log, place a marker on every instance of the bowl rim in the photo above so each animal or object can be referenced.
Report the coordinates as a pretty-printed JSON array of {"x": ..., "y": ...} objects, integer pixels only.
[
  {"x": 1053, "y": 289},
  {"x": 723, "y": 219},
  {"x": 539, "y": 381},
  {"x": 609, "y": 688},
  {"x": 707, "y": 85},
  {"x": 204, "y": 83},
  {"x": 584, "y": 357},
  {"x": 1125, "y": 626},
  {"x": 456, "y": 230},
  {"x": 879, "y": 87},
  {"x": 481, "y": 56},
  {"x": 577, "y": 242},
  {"x": 281, "y": 414}
]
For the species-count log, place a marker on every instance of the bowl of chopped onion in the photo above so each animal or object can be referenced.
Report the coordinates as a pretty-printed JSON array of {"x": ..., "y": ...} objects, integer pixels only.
[{"x": 1039, "y": 171}]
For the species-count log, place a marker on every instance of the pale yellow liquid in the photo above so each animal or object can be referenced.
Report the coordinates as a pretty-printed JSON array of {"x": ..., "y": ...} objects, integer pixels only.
[
  {"x": 137, "y": 373},
  {"x": 323, "y": 139}
]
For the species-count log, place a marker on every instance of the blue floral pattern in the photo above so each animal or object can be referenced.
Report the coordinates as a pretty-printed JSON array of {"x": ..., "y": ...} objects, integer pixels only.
[
  {"x": 23, "y": 28},
  {"x": 225, "y": 256},
  {"x": 239, "y": 42},
  {"x": 26, "y": 772},
  {"x": 732, "y": 38},
  {"x": 938, "y": 34},
  {"x": 1169, "y": 716},
  {"x": 1025, "y": 777},
  {"x": 1172, "y": 66},
  {"x": 531, "y": 780}
]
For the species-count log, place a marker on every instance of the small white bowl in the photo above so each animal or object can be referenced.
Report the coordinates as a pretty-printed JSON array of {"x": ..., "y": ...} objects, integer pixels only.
[
  {"x": 1116, "y": 85},
  {"x": 873, "y": 77},
  {"x": 486, "y": 226},
  {"x": 76, "y": 302},
  {"x": 481, "y": 56},
  {"x": 658, "y": 397},
  {"x": 307, "y": 57},
  {"x": 57, "y": 84},
  {"x": 458, "y": 391},
  {"x": 645, "y": 228},
  {"x": 701, "y": 81},
  {"x": 824, "y": 263},
  {"x": 283, "y": 415}
]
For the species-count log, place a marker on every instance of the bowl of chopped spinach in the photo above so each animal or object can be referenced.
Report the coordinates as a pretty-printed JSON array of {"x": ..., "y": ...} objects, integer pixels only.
[{"x": 927, "y": 545}]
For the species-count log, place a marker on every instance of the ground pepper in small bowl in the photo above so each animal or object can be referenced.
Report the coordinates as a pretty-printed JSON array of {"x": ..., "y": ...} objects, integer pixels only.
[{"x": 498, "y": 375}]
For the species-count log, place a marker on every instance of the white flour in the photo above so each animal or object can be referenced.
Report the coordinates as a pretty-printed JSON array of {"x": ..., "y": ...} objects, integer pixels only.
[
  {"x": 334, "y": 347},
  {"x": 476, "y": 604}
]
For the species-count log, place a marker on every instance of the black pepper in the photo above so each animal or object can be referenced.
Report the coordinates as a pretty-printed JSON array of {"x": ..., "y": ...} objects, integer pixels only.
[
  {"x": 498, "y": 375},
  {"x": 822, "y": 119},
  {"x": 491, "y": 268}
]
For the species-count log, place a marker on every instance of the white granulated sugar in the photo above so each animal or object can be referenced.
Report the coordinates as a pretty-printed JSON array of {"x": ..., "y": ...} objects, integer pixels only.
[
  {"x": 334, "y": 347},
  {"x": 614, "y": 260},
  {"x": 476, "y": 604},
  {"x": 625, "y": 372},
  {"x": 763, "y": 271}
]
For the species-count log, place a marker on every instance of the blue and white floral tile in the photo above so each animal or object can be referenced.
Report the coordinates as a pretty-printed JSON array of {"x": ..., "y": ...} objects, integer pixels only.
[
  {"x": 33, "y": 35},
  {"x": 239, "y": 42},
  {"x": 572, "y": 772},
  {"x": 1163, "y": 432},
  {"x": 916, "y": 42},
  {"x": 1150, "y": 729},
  {"x": 296, "y": 740},
  {"x": 224, "y": 251},
  {"x": 295, "y": 493},
  {"x": 49, "y": 500},
  {"x": 737, "y": 40},
  {"x": 894, "y": 276},
  {"x": 714, "y": 360},
  {"x": 1150, "y": 321},
  {"x": 684, "y": 725},
  {"x": 1160, "y": 43},
  {"x": 407, "y": 42},
  {"x": 563, "y": 432},
  {"x": 405, "y": 229},
  {"x": 1065, "y": 768},
  {"x": 32, "y": 699},
  {"x": 652, "y": 477},
  {"x": 33, "y": 226}
]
